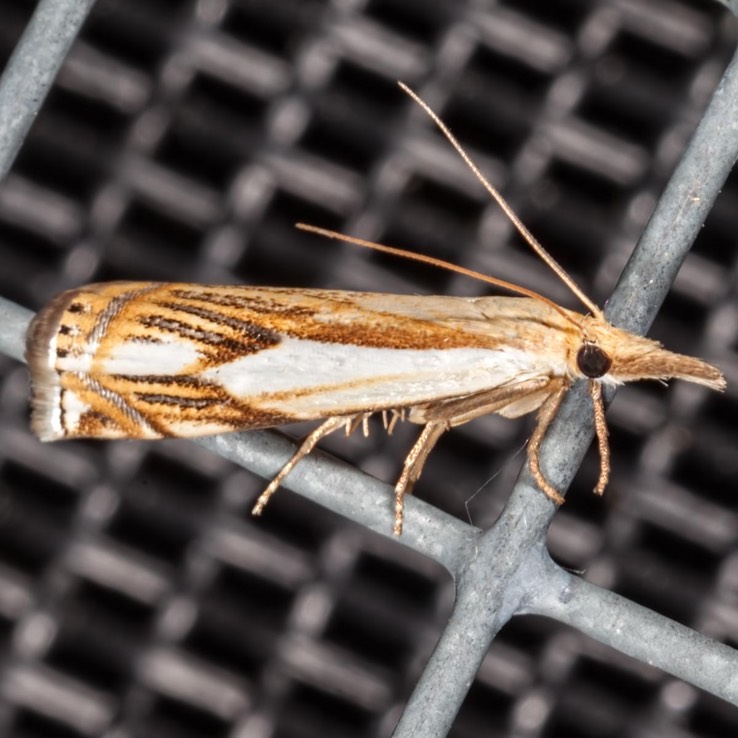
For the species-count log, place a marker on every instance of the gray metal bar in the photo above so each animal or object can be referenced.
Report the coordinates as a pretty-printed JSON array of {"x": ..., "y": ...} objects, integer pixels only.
[
  {"x": 350, "y": 492},
  {"x": 732, "y": 5},
  {"x": 488, "y": 594},
  {"x": 32, "y": 69},
  {"x": 681, "y": 211},
  {"x": 14, "y": 320}
]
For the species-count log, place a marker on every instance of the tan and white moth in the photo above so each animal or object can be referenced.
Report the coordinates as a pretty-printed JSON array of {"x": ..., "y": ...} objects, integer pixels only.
[{"x": 152, "y": 360}]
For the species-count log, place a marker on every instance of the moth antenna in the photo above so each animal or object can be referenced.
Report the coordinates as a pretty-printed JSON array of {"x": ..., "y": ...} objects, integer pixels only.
[
  {"x": 433, "y": 261},
  {"x": 506, "y": 208}
]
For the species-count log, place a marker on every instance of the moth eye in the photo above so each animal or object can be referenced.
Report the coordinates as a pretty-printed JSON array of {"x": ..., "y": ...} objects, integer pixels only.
[{"x": 592, "y": 361}]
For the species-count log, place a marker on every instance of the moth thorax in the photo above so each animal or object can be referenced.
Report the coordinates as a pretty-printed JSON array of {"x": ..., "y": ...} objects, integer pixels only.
[{"x": 592, "y": 361}]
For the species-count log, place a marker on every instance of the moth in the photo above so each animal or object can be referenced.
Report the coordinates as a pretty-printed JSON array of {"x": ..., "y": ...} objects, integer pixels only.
[{"x": 152, "y": 360}]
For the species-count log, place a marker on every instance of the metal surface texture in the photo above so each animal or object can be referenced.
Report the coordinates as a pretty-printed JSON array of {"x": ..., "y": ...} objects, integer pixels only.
[{"x": 180, "y": 141}]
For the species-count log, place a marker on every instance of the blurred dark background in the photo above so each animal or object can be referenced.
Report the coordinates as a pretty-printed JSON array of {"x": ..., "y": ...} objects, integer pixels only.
[{"x": 181, "y": 142}]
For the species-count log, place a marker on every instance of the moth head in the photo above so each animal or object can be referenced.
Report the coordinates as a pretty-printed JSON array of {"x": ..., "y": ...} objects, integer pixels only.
[{"x": 613, "y": 356}]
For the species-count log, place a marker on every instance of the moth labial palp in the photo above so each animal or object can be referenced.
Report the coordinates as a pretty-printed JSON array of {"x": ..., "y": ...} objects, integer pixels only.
[{"x": 153, "y": 360}]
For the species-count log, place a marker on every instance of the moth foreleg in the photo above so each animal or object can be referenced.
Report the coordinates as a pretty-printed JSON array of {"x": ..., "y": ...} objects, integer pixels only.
[
  {"x": 323, "y": 430},
  {"x": 546, "y": 414},
  {"x": 595, "y": 390}
]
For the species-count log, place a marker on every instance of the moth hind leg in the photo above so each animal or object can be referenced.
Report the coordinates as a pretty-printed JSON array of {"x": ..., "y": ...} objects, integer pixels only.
[
  {"x": 413, "y": 467},
  {"x": 311, "y": 440}
]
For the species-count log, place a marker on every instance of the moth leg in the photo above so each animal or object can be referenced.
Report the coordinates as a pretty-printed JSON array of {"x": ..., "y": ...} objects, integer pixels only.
[
  {"x": 413, "y": 466},
  {"x": 323, "y": 430},
  {"x": 546, "y": 394},
  {"x": 595, "y": 389},
  {"x": 440, "y": 416},
  {"x": 545, "y": 415},
  {"x": 459, "y": 410}
]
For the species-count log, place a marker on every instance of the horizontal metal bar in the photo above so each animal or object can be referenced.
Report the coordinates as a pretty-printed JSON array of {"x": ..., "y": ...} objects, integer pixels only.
[{"x": 634, "y": 630}]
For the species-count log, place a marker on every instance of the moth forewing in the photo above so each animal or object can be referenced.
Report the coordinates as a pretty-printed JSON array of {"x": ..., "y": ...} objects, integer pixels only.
[{"x": 151, "y": 360}]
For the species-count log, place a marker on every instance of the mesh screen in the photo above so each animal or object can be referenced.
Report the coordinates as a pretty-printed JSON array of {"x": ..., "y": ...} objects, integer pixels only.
[{"x": 181, "y": 142}]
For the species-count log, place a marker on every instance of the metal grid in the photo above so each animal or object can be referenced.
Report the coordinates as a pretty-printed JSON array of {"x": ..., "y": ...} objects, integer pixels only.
[{"x": 180, "y": 141}]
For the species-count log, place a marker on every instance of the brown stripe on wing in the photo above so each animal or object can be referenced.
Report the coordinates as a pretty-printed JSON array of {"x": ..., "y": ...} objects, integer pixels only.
[
  {"x": 188, "y": 400},
  {"x": 158, "y": 407},
  {"x": 227, "y": 336},
  {"x": 111, "y": 309},
  {"x": 216, "y": 345},
  {"x": 184, "y": 405},
  {"x": 323, "y": 315},
  {"x": 217, "y": 336},
  {"x": 271, "y": 300}
]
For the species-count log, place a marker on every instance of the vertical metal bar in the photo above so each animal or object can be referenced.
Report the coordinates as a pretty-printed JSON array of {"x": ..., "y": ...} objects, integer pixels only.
[
  {"x": 683, "y": 208},
  {"x": 32, "y": 69},
  {"x": 486, "y": 597}
]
